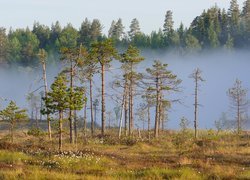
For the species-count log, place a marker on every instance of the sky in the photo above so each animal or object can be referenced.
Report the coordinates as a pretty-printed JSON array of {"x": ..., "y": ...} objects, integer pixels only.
[{"x": 23, "y": 13}]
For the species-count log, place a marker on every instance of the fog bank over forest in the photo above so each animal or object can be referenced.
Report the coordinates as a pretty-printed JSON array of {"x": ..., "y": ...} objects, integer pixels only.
[{"x": 219, "y": 69}]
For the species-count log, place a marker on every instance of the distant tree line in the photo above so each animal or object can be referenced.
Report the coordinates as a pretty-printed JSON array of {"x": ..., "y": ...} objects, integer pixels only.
[{"x": 214, "y": 28}]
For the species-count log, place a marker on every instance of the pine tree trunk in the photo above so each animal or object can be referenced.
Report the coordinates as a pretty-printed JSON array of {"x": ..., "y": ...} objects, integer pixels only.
[
  {"x": 75, "y": 126},
  {"x": 32, "y": 113},
  {"x": 195, "y": 107},
  {"x": 103, "y": 100},
  {"x": 60, "y": 130},
  {"x": 12, "y": 132},
  {"x": 156, "y": 130},
  {"x": 163, "y": 108},
  {"x": 40, "y": 114},
  {"x": 131, "y": 107},
  {"x": 148, "y": 111},
  {"x": 163, "y": 119},
  {"x": 160, "y": 110},
  {"x": 238, "y": 114},
  {"x": 36, "y": 117},
  {"x": 143, "y": 125},
  {"x": 71, "y": 121},
  {"x": 95, "y": 109},
  {"x": 132, "y": 110},
  {"x": 46, "y": 92},
  {"x": 85, "y": 120},
  {"x": 91, "y": 107},
  {"x": 120, "y": 123},
  {"x": 126, "y": 108}
]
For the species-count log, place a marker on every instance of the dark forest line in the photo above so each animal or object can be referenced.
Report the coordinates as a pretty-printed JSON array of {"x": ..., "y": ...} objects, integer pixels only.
[{"x": 215, "y": 28}]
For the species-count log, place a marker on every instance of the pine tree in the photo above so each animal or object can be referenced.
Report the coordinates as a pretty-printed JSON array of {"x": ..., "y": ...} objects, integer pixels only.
[
  {"x": 111, "y": 30},
  {"x": 224, "y": 26},
  {"x": 74, "y": 57},
  {"x": 57, "y": 100},
  {"x": 55, "y": 31},
  {"x": 87, "y": 70},
  {"x": 61, "y": 98},
  {"x": 85, "y": 33},
  {"x": 181, "y": 33},
  {"x": 54, "y": 37},
  {"x": 130, "y": 59},
  {"x": 168, "y": 23},
  {"x": 116, "y": 30},
  {"x": 43, "y": 34},
  {"x": 234, "y": 17},
  {"x": 68, "y": 37},
  {"x": 212, "y": 37},
  {"x": 3, "y": 45},
  {"x": 156, "y": 39},
  {"x": 28, "y": 44},
  {"x": 134, "y": 29},
  {"x": 246, "y": 20},
  {"x": 95, "y": 30},
  {"x": 191, "y": 43},
  {"x": 119, "y": 29},
  {"x": 14, "y": 54},
  {"x": 159, "y": 80},
  {"x": 229, "y": 43},
  {"x": 12, "y": 114},
  {"x": 168, "y": 29},
  {"x": 103, "y": 52}
]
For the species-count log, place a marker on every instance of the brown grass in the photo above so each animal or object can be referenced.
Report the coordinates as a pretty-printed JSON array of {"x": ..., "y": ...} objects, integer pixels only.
[{"x": 172, "y": 156}]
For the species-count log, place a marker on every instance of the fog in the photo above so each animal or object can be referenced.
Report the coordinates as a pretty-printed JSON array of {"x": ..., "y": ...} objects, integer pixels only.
[
  {"x": 219, "y": 69},
  {"x": 17, "y": 82}
]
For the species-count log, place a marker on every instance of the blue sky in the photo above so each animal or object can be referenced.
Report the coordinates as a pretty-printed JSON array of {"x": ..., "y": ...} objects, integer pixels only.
[{"x": 22, "y": 13}]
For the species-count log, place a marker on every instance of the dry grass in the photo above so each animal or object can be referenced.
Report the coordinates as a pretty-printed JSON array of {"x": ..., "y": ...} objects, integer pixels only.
[{"x": 172, "y": 156}]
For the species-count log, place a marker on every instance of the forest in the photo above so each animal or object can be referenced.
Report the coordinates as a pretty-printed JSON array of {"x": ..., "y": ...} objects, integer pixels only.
[
  {"x": 105, "y": 113},
  {"x": 215, "y": 28}
]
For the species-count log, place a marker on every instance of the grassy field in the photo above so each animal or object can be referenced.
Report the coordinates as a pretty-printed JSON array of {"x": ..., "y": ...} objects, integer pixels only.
[{"x": 175, "y": 155}]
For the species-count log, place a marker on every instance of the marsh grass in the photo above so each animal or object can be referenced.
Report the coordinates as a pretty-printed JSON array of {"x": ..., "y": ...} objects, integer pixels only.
[{"x": 175, "y": 155}]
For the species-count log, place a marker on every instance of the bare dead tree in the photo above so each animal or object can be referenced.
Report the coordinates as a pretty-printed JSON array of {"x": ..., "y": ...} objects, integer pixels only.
[
  {"x": 239, "y": 102},
  {"x": 196, "y": 76},
  {"x": 119, "y": 86},
  {"x": 42, "y": 57}
]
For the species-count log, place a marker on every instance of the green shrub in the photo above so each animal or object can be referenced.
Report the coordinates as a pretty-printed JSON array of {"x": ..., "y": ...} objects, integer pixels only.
[
  {"x": 34, "y": 131},
  {"x": 129, "y": 141}
]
